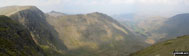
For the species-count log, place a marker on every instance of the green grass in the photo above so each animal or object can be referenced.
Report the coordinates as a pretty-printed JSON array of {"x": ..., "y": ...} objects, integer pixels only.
[{"x": 165, "y": 48}]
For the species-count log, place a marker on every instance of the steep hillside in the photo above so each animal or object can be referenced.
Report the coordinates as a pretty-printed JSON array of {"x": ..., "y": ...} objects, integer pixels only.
[
  {"x": 165, "y": 48},
  {"x": 35, "y": 21},
  {"x": 159, "y": 28},
  {"x": 132, "y": 26},
  {"x": 145, "y": 27},
  {"x": 150, "y": 27},
  {"x": 171, "y": 27},
  {"x": 94, "y": 34},
  {"x": 15, "y": 40},
  {"x": 176, "y": 26}
]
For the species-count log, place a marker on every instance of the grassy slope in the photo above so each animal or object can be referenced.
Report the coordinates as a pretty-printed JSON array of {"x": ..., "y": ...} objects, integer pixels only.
[
  {"x": 165, "y": 48},
  {"x": 93, "y": 34},
  {"x": 15, "y": 40}
]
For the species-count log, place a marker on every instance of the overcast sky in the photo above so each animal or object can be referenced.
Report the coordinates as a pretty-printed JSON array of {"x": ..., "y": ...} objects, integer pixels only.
[{"x": 105, "y": 6}]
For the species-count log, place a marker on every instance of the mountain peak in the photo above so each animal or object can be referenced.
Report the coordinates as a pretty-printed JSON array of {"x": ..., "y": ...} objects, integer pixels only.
[
  {"x": 97, "y": 13},
  {"x": 55, "y": 13},
  {"x": 9, "y": 10},
  {"x": 19, "y": 7}
]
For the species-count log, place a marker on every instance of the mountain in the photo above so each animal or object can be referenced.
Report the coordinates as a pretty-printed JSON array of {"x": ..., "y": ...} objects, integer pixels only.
[
  {"x": 35, "y": 21},
  {"x": 56, "y": 14},
  {"x": 169, "y": 29},
  {"x": 161, "y": 28},
  {"x": 165, "y": 48},
  {"x": 15, "y": 40},
  {"x": 150, "y": 27},
  {"x": 158, "y": 28},
  {"x": 59, "y": 34},
  {"x": 128, "y": 16},
  {"x": 94, "y": 34},
  {"x": 176, "y": 26},
  {"x": 144, "y": 27}
]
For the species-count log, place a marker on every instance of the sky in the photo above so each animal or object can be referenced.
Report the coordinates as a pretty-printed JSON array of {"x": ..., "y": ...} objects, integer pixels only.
[{"x": 110, "y": 7}]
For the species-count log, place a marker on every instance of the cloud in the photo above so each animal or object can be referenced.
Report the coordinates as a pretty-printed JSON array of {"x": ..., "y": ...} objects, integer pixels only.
[
  {"x": 105, "y": 6},
  {"x": 122, "y": 1},
  {"x": 29, "y": 2}
]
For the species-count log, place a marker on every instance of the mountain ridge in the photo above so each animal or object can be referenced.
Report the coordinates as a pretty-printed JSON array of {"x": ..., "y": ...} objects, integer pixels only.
[
  {"x": 93, "y": 30},
  {"x": 42, "y": 32},
  {"x": 9, "y": 10},
  {"x": 82, "y": 34}
]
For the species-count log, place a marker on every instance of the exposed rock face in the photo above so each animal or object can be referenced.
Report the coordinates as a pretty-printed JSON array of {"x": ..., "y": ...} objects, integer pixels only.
[
  {"x": 35, "y": 21},
  {"x": 94, "y": 34},
  {"x": 15, "y": 40}
]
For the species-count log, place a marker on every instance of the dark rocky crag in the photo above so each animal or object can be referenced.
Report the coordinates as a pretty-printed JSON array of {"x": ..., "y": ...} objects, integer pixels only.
[
  {"x": 15, "y": 40},
  {"x": 35, "y": 21}
]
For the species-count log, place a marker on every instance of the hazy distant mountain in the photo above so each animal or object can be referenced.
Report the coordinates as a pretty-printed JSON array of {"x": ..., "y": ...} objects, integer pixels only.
[
  {"x": 170, "y": 28},
  {"x": 167, "y": 28},
  {"x": 157, "y": 27},
  {"x": 121, "y": 17},
  {"x": 35, "y": 21},
  {"x": 15, "y": 40},
  {"x": 144, "y": 26},
  {"x": 176, "y": 26},
  {"x": 94, "y": 34},
  {"x": 56, "y": 14},
  {"x": 165, "y": 48},
  {"x": 150, "y": 27}
]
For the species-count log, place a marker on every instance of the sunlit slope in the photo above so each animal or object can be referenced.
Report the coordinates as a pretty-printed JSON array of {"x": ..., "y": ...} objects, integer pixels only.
[
  {"x": 59, "y": 34},
  {"x": 15, "y": 40},
  {"x": 165, "y": 48},
  {"x": 94, "y": 34}
]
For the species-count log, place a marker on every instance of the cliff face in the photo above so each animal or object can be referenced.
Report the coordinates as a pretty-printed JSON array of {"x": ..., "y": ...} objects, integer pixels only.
[
  {"x": 15, "y": 40},
  {"x": 35, "y": 21},
  {"x": 94, "y": 34}
]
